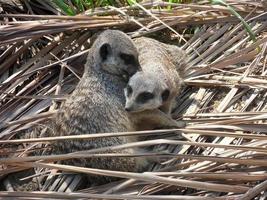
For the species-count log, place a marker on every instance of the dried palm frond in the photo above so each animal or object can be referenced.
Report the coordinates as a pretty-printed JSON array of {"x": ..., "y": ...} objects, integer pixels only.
[{"x": 224, "y": 102}]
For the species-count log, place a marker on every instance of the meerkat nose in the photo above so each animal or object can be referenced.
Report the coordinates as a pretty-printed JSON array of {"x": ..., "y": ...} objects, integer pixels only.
[{"x": 128, "y": 109}]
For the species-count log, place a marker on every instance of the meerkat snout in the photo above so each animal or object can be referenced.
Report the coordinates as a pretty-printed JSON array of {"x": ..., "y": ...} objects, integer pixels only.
[
  {"x": 127, "y": 93},
  {"x": 128, "y": 109},
  {"x": 140, "y": 102}
]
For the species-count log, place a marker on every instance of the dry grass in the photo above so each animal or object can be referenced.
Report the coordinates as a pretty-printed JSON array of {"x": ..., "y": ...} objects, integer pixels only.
[{"x": 224, "y": 102}]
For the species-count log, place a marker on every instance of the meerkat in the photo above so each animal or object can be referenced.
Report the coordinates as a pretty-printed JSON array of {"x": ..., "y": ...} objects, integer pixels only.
[
  {"x": 160, "y": 80},
  {"x": 97, "y": 104}
]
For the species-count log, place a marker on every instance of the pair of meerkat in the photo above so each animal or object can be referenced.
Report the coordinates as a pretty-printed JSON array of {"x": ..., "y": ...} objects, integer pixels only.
[
  {"x": 97, "y": 106},
  {"x": 160, "y": 79}
]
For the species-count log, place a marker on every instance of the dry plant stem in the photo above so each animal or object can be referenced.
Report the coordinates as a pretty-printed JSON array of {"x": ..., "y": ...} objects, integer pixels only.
[
  {"x": 56, "y": 63},
  {"x": 174, "y": 142},
  {"x": 240, "y": 161},
  {"x": 217, "y": 176},
  {"x": 224, "y": 114},
  {"x": 143, "y": 177},
  {"x": 75, "y": 195},
  {"x": 253, "y": 192},
  {"x": 129, "y": 17},
  {"x": 99, "y": 135},
  {"x": 41, "y": 17},
  {"x": 202, "y": 166},
  {"x": 163, "y": 23},
  {"x": 28, "y": 119},
  {"x": 142, "y": 144},
  {"x": 88, "y": 136},
  {"x": 59, "y": 84},
  {"x": 51, "y": 48},
  {"x": 54, "y": 97},
  {"x": 120, "y": 186},
  {"x": 210, "y": 176}
]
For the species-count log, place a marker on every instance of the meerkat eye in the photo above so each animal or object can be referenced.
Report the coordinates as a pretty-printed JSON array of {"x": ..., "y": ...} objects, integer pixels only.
[
  {"x": 128, "y": 59},
  {"x": 129, "y": 90},
  {"x": 144, "y": 97},
  {"x": 165, "y": 95},
  {"x": 105, "y": 51}
]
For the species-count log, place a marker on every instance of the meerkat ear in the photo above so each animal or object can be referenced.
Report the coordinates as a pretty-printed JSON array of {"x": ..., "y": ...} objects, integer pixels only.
[
  {"x": 165, "y": 95},
  {"x": 105, "y": 51}
]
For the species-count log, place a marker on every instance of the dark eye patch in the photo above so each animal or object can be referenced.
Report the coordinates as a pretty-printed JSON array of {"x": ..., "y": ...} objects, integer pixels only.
[
  {"x": 128, "y": 59},
  {"x": 165, "y": 95},
  {"x": 105, "y": 51},
  {"x": 129, "y": 90},
  {"x": 144, "y": 97}
]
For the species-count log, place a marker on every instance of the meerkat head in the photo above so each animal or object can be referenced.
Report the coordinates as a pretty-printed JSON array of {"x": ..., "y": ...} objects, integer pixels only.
[
  {"x": 115, "y": 53},
  {"x": 145, "y": 92}
]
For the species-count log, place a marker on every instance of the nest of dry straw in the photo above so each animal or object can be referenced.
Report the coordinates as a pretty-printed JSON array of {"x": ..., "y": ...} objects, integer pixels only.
[{"x": 224, "y": 101}]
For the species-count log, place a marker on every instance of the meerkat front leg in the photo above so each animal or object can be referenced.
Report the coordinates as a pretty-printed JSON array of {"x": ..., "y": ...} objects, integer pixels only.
[
  {"x": 163, "y": 119},
  {"x": 156, "y": 118}
]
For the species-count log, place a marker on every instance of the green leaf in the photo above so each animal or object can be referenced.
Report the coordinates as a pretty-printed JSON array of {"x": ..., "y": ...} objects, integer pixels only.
[
  {"x": 79, "y": 4},
  {"x": 64, "y": 7}
]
